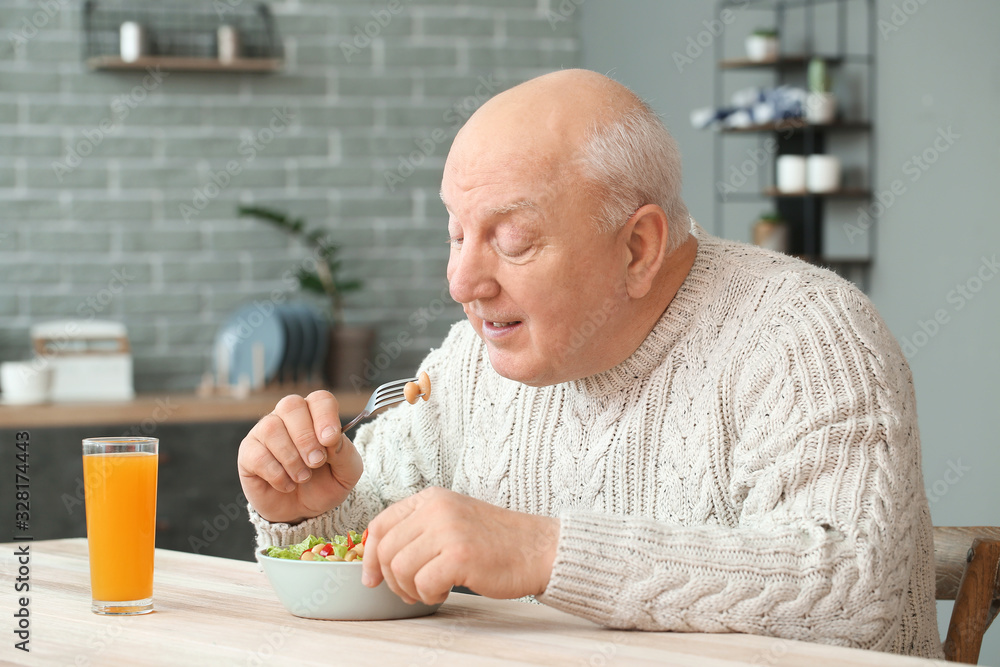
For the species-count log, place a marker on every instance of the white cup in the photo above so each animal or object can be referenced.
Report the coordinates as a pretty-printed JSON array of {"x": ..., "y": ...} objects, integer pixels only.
[
  {"x": 791, "y": 173},
  {"x": 25, "y": 382},
  {"x": 823, "y": 173}
]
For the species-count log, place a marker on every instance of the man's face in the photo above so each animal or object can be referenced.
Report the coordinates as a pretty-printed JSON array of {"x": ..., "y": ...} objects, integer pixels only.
[{"x": 540, "y": 285}]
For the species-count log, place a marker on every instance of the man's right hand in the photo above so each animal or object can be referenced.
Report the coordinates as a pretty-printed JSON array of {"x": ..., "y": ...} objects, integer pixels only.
[{"x": 295, "y": 463}]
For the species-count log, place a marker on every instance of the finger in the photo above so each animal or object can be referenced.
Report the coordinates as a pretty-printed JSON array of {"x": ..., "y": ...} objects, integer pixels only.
[
  {"x": 332, "y": 483},
  {"x": 346, "y": 466},
  {"x": 372, "y": 572},
  {"x": 272, "y": 432},
  {"x": 390, "y": 581},
  {"x": 255, "y": 460},
  {"x": 405, "y": 564},
  {"x": 324, "y": 410},
  {"x": 295, "y": 412},
  {"x": 435, "y": 580}
]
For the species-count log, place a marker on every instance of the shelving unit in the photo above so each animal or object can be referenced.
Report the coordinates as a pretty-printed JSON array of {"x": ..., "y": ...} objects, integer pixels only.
[
  {"x": 181, "y": 37},
  {"x": 806, "y": 212},
  {"x": 186, "y": 64}
]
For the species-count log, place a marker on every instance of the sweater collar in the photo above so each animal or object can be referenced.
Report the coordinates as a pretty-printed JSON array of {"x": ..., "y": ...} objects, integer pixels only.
[{"x": 674, "y": 322}]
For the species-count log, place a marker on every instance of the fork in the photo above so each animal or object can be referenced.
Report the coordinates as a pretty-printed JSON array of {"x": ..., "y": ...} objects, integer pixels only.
[{"x": 384, "y": 395}]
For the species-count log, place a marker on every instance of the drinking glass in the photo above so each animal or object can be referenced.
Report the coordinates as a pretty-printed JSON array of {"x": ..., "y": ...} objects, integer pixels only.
[{"x": 119, "y": 481}]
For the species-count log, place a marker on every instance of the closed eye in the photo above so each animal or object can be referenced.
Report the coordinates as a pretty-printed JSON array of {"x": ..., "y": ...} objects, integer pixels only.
[{"x": 515, "y": 253}]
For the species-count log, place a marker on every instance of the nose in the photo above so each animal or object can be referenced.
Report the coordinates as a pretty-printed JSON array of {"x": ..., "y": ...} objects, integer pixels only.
[{"x": 471, "y": 274}]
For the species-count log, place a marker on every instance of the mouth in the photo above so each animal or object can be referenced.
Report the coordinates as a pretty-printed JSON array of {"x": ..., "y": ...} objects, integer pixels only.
[{"x": 495, "y": 329}]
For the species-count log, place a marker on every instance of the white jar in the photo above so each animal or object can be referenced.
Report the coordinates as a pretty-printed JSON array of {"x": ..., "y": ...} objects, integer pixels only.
[
  {"x": 229, "y": 43},
  {"x": 823, "y": 173},
  {"x": 791, "y": 173},
  {"x": 132, "y": 37}
]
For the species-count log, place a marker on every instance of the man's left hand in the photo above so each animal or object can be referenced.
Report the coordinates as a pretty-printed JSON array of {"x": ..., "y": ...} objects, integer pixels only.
[{"x": 436, "y": 539}]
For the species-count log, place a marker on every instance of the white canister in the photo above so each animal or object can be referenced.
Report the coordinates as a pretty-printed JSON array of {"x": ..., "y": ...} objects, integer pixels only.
[
  {"x": 132, "y": 37},
  {"x": 791, "y": 173},
  {"x": 823, "y": 173},
  {"x": 229, "y": 43},
  {"x": 25, "y": 382}
]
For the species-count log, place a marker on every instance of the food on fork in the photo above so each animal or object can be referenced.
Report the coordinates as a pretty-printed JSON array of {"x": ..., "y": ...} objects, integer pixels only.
[{"x": 414, "y": 390}]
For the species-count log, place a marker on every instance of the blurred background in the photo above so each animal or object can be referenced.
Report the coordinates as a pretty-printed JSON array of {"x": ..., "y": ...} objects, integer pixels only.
[{"x": 121, "y": 179}]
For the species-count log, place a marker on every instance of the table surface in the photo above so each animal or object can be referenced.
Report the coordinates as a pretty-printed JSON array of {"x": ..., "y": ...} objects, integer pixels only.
[
  {"x": 223, "y": 612},
  {"x": 165, "y": 408}
]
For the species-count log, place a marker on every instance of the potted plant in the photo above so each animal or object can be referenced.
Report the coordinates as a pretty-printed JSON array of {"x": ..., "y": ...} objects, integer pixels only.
[
  {"x": 821, "y": 105},
  {"x": 762, "y": 45},
  {"x": 770, "y": 231},
  {"x": 350, "y": 346}
]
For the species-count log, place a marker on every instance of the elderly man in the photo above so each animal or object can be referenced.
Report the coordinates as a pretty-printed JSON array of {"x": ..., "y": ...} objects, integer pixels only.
[{"x": 639, "y": 423}]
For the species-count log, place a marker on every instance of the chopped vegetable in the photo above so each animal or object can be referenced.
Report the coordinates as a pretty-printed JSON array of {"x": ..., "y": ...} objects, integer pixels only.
[{"x": 339, "y": 548}]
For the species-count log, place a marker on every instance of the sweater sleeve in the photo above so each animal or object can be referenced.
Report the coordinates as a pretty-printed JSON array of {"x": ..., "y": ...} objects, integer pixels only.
[
  {"x": 405, "y": 450},
  {"x": 820, "y": 502}
]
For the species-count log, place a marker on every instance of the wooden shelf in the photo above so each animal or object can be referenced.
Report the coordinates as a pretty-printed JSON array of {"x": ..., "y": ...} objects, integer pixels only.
[
  {"x": 174, "y": 408},
  {"x": 187, "y": 64},
  {"x": 801, "y": 126},
  {"x": 846, "y": 193},
  {"x": 781, "y": 61}
]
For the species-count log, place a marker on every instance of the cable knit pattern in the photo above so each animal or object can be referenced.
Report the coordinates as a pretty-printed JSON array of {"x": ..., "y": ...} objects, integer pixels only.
[{"x": 753, "y": 467}]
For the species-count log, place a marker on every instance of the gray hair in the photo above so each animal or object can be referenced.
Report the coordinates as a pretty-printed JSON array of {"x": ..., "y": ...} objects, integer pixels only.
[{"x": 634, "y": 161}]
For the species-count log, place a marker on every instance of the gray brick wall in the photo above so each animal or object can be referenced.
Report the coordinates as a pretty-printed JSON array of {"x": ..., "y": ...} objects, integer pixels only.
[{"x": 95, "y": 166}]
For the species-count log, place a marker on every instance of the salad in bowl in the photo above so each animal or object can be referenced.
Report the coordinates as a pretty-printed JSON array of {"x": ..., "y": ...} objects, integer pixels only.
[{"x": 320, "y": 578}]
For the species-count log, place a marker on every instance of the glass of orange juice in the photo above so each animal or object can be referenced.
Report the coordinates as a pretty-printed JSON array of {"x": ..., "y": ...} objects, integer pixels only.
[{"x": 119, "y": 481}]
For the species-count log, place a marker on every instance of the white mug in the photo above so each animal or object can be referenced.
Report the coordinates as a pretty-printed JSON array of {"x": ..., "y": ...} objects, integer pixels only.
[
  {"x": 823, "y": 173},
  {"x": 791, "y": 173},
  {"x": 25, "y": 382}
]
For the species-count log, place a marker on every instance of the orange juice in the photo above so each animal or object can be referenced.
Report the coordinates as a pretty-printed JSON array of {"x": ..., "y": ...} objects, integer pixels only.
[{"x": 120, "y": 490}]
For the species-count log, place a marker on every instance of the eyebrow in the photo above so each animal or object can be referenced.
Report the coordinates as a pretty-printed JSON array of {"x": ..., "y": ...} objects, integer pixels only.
[
  {"x": 504, "y": 209},
  {"x": 511, "y": 207}
]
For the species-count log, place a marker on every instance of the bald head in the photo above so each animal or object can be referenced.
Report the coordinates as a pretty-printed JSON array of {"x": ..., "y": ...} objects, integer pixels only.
[
  {"x": 548, "y": 118},
  {"x": 560, "y": 108},
  {"x": 578, "y": 129}
]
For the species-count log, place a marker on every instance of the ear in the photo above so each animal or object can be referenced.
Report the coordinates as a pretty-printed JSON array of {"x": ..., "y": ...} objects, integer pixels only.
[{"x": 645, "y": 236}]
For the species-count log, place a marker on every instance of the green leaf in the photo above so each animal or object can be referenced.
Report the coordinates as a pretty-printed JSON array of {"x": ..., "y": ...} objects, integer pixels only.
[
  {"x": 347, "y": 285},
  {"x": 310, "y": 282},
  {"x": 325, "y": 248}
]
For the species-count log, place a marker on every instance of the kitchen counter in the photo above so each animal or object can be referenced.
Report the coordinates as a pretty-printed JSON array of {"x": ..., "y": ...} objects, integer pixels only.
[
  {"x": 200, "y": 503},
  {"x": 161, "y": 409}
]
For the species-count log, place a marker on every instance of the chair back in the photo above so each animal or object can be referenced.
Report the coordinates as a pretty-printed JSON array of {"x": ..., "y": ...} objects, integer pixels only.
[{"x": 967, "y": 567}]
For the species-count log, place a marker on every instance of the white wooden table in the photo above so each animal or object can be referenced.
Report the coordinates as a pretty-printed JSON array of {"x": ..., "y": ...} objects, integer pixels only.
[{"x": 215, "y": 611}]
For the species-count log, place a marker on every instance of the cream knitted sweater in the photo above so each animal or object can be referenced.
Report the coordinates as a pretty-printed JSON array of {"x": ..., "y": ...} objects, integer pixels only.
[{"x": 753, "y": 467}]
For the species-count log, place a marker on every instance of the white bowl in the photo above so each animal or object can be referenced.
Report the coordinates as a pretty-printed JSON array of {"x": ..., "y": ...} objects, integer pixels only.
[{"x": 333, "y": 591}]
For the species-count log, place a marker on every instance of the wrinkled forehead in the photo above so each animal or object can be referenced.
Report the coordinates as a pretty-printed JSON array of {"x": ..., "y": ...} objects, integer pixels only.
[{"x": 497, "y": 171}]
